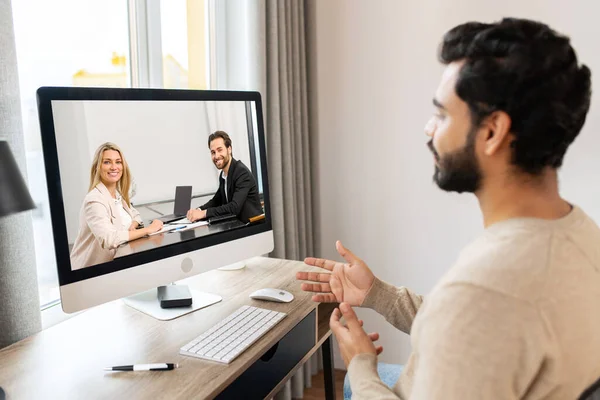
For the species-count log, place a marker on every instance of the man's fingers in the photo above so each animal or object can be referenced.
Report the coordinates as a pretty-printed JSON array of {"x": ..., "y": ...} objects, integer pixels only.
[
  {"x": 350, "y": 316},
  {"x": 347, "y": 254},
  {"x": 373, "y": 336},
  {"x": 313, "y": 276},
  {"x": 361, "y": 322},
  {"x": 379, "y": 350},
  {"x": 316, "y": 287},
  {"x": 189, "y": 215},
  {"x": 336, "y": 287},
  {"x": 324, "y": 298},
  {"x": 320, "y": 262},
  {"x": 302, "y": 276},
  {"x": 335, "y": 324}
]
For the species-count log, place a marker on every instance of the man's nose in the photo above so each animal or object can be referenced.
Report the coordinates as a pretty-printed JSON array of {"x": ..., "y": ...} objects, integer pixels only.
[{"x": 430, "y": 127}]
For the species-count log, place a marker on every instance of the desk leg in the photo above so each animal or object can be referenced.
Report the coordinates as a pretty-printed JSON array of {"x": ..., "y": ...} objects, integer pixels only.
[{"x": 329, "y": 373}]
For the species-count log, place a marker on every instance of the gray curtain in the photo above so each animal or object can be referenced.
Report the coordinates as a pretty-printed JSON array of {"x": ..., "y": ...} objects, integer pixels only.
[
  {"x": 282, "y": 35},
  {"x": 19, "y": 299},
  {"x": 287, "y": 129}
]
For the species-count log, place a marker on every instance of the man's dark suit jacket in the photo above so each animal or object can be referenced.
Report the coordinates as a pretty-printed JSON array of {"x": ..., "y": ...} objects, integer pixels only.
[{"x": 242, "y": 193}]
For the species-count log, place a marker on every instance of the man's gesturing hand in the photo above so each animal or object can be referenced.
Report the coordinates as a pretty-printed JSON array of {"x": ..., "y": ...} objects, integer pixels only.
[
  {"x": 345, "y": 282},
  {"x": 352, "y": 338}
]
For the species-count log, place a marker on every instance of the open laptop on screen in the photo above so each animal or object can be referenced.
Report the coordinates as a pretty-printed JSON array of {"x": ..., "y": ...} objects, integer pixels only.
[{"x": 183, "y": 202}]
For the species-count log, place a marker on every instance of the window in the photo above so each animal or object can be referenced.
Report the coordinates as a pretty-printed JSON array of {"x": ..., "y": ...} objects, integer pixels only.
[
  {"x": 108, "y": 43},
  {"x": 184, "y": 44}
]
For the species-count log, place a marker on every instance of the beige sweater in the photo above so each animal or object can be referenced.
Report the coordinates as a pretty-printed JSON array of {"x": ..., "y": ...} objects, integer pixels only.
[{"x": 517, "y": 317}]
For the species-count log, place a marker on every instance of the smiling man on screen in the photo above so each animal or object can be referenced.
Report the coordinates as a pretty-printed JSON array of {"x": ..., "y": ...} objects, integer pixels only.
[{"x": 238, "y": 193}]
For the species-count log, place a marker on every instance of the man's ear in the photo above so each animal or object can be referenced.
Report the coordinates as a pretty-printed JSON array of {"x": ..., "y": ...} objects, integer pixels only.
[{"x": 497, "y": 126}]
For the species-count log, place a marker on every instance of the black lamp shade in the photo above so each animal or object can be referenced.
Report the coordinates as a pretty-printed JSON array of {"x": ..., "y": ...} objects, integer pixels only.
[{"x": 14, "y": 196}]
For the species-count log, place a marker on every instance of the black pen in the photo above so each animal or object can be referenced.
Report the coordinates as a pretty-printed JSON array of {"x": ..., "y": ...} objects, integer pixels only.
[{"x": 144, "y": 367}]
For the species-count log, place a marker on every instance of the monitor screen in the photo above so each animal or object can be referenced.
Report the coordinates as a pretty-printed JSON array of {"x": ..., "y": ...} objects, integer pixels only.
[{"x": 118, "y": 161}]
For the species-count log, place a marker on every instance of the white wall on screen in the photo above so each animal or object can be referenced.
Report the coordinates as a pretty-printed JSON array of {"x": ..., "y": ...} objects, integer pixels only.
[
  {"x": 74, "y": 160},
  {"x": 164, "y": 143},
  {"x": 230, "y": 117}
]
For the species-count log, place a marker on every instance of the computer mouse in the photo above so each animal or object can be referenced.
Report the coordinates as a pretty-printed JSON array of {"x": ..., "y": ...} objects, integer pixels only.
[{"x": 270, "y": 294}]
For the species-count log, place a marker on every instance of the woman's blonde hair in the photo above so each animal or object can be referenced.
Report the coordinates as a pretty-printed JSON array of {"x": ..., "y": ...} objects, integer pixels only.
[{"x": 124, "y": 183}]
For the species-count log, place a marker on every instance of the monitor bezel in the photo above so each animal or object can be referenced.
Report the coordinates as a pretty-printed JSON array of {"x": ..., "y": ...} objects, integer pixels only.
[{"x": 45, "y": 96}]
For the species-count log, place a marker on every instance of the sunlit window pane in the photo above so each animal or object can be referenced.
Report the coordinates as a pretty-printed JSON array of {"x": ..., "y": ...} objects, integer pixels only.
[
  {"x": 63, "y": 43},
  {"x": 183, "y": 25}
]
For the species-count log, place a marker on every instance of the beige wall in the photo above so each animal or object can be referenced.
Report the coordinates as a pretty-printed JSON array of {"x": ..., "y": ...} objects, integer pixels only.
[{"x": 373, "y": 74}]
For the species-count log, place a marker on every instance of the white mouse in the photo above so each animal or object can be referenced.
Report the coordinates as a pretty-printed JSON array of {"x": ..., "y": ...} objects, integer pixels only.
[{"x": 269, "y": 294}]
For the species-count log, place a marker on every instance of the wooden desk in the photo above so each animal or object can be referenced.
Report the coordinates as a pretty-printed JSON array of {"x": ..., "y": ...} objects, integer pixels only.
[{"x": 66, "y": 361}]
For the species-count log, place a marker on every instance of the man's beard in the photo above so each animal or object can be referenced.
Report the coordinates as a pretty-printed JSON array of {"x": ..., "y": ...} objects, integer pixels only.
[
  {"x": 225, "y": 161},
  {"x": 458, "y": 171}
]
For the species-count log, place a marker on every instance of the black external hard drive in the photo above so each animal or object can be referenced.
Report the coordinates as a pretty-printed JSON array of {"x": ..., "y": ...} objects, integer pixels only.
[{"x": 174, "y": 296}]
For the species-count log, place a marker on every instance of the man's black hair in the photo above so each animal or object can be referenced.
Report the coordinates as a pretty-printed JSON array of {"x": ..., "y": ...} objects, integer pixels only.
[{"x": 529, "y": 71}]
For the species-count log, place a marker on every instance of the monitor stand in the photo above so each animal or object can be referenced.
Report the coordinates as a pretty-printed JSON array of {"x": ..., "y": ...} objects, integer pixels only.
[
  {"x": 147, "y": 303},
  {"x": 233, "y": 267}
]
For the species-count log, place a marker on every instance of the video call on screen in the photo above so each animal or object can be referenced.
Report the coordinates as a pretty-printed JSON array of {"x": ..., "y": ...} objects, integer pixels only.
[{"x": 165, "y": 145}]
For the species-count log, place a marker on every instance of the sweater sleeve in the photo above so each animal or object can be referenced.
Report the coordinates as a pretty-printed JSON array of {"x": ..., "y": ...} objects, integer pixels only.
[
  {"x": 398, "y": 305},
  {"x": 364, "y": 379},
  {"x": 135, "y": 215},
  {"x": 214, "y": 202}
]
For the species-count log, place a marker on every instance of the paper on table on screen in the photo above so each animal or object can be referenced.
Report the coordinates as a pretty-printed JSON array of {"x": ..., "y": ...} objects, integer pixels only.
[
  {"x": 181, "y": 221},
  {"x": 166, "y": 228},
  {"x": 192, "y": 226}
]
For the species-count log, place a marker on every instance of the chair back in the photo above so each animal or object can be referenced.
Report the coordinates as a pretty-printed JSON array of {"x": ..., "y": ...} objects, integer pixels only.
[{"x": 591, "y": 393}]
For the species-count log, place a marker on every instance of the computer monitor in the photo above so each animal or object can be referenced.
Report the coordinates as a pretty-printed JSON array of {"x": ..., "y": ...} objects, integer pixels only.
[{"x": 154, "y": 140}]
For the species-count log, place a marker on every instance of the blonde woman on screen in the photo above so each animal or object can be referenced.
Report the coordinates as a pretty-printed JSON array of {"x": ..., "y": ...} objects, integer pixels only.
[{"x": 107, "y": 218}]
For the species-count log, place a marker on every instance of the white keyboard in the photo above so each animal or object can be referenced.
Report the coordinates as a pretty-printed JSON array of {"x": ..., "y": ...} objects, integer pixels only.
[{"x": 233, "y": 335}]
